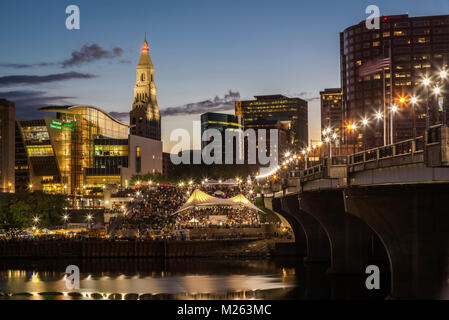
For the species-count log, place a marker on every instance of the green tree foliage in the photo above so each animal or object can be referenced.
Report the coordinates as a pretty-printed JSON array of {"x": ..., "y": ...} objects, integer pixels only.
[{"x": 18, "y": 211}]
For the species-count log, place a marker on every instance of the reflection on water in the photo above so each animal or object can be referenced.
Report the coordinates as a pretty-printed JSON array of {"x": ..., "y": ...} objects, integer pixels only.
[{"x": 180, "y": 279}]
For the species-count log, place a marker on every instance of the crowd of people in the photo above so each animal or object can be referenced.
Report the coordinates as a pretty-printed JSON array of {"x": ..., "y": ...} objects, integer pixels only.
[{"x": 153, "y": 211}]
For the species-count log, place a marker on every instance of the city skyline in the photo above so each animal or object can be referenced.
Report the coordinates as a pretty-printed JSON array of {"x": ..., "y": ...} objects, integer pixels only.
[{"x": 250, "y": 53}]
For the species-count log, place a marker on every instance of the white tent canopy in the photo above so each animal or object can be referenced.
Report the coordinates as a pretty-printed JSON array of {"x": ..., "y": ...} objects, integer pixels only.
[
  {"x": 199, "y": 199},
  {"x": 243, "y": 202}
]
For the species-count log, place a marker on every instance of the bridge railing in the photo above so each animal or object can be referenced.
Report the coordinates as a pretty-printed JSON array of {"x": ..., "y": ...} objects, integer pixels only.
[{"x": 407, "y": 147}]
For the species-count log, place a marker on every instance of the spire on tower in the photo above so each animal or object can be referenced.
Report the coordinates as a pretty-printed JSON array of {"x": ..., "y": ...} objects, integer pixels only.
[{"x": 145, "y": 48}]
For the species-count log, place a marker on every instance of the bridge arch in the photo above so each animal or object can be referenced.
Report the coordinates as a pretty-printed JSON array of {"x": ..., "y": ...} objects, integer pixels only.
[
  {"x": 353, "y": 244},
  {"x": 309, "y": 235}
]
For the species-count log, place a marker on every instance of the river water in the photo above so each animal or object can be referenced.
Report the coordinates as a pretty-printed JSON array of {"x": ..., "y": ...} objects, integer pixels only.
[{"x": 287, "y": 278}]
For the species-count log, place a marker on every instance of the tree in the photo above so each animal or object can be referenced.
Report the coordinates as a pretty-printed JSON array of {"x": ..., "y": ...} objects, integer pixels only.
[{"x": 18, "y": 213}]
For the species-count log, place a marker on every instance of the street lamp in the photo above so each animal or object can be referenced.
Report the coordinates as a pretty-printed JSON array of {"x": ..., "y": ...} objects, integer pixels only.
[
  {"x": 36, "y": 219},
  {"x": 414, "y": 101},
  {"x": 365, "y": 123},
  {"x": 65, "y": 218},
  {"x": 351, "y": 128},
  {"x": 89, "y": 218},
  {"x": 426, "y": 83},
  {"x": 443, "y": 75},
  {"x": 394, "y": 109}
]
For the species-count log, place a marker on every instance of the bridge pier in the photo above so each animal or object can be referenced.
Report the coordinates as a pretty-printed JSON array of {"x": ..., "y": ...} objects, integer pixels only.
[
  {"x": 300, "y": 236},
  {"x": 349, "y": 238},
  {"x": 413, "y": 223},
  {"x": 317, "y": 243}
]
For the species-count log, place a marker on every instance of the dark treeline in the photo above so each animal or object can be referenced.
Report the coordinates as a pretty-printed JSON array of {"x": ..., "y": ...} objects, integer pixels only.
[{"x": 17, "y": 211}]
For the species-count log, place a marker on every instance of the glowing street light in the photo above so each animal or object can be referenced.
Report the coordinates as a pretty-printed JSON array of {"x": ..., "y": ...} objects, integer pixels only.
[
  {"x": 394, "y": 109},
  {"x": 36, "y": 219},
  {"x": 414, "y": 101},
  {"x": 437, "y": 90},
  {"x": 89, "y": 219},
  {"x": 379, "y": 116},
  {"x": 443, "y": 74},
  {"x": 426, "y": 82}
]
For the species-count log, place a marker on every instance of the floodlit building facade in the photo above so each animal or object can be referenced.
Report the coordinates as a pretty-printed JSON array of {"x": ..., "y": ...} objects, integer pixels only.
[
  {"x": 291, "y": 112},
  {"x": 83, "y": 150},
  {"x": 384, "y": 67}
]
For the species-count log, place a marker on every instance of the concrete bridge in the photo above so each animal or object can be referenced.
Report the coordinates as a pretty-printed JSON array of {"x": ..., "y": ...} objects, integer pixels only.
[{"x": 388, "y": 203}]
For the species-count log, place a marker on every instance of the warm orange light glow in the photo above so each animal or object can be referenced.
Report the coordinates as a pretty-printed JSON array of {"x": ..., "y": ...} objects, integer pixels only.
[
  {"x": 402, "y": 100},
  {"x": 275, "y": 177}
]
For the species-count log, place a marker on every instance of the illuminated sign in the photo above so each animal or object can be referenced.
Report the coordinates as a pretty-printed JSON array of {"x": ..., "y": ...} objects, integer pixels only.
[{"x": 62, "y": 125}]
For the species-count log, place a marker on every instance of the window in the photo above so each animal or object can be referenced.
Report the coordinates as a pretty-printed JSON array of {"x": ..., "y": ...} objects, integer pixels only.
[{"x": 138, "y": 160}]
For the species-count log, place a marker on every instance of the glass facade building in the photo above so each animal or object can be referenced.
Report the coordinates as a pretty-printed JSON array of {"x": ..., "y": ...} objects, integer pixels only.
[
  {"x": 417, "y": 48},
  {"x": 331, "y": 110},
  {"x": 81, "y": 150},
  {"x": 221, "y": 122},
  {"x": 278, "y": 108}
]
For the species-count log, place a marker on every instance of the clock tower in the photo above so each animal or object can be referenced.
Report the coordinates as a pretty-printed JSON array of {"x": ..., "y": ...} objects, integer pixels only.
[{"x": 144, "y": 116}]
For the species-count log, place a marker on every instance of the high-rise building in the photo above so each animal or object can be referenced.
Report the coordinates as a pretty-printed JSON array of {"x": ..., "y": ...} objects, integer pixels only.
[
  {"x": 291, "y": 112},
  {"x": 223, "y": 122},
  {"x": 82, "y": 150},
  {"x": 7, "y": 145},
  {"x": 144, "y": 117},
  {"x": 386, "y": 67},
  {"x": 331, "y": 109}
]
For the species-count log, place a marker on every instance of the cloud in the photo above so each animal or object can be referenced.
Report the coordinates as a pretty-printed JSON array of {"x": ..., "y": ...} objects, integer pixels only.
[
  {"x": 217, "y": 104},
  {"x": 89, "y": 54},
  {"x": 21, "y": 94},
  {"x": 27, "y": 79},
  {"x": 214, "y": 105},
  {"x": 308, "y": 96},
  {"x": 26, "y": 65},
  {"x": 28, "y": 102},
  {"x": 120, "y": 116}
]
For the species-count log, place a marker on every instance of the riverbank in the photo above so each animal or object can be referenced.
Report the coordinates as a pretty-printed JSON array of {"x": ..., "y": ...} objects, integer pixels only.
[{"x": 137, "y": 249}]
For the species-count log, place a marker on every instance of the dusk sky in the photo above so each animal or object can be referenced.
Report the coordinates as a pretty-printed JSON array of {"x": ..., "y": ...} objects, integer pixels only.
[{"x": 200, "y": 50}]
